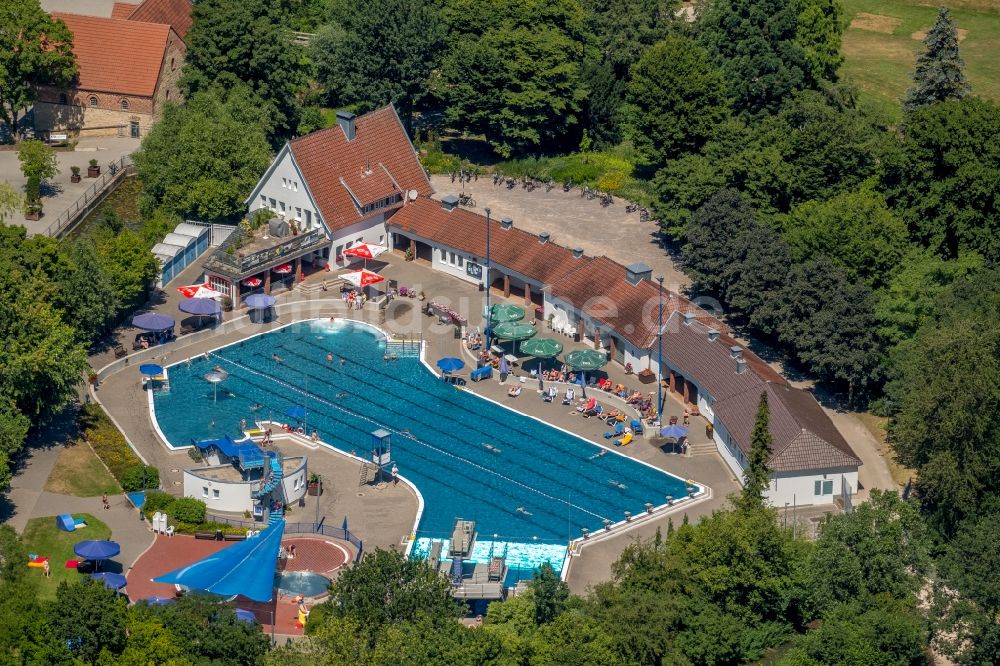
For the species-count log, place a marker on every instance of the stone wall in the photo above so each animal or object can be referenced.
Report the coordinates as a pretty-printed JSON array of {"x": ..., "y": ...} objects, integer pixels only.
[
  {"x": 168, "y": 87},
  {"x": 88, "y": 121}
]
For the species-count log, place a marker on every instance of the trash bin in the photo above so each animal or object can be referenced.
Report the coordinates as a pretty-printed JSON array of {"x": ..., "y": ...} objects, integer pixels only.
[{"x": 708, "y": 430}]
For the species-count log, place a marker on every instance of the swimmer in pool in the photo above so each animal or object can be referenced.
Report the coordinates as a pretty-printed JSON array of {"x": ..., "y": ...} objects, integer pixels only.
[
  {"x": 343, "y": 361},
  {"x": 342, "y": 395},
  {"x": 329, "y": 357},
  {"x": 524, "y": 511}
]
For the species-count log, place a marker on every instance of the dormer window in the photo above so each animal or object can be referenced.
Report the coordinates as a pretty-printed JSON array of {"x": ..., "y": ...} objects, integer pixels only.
[{"x": 384, "y": 202}]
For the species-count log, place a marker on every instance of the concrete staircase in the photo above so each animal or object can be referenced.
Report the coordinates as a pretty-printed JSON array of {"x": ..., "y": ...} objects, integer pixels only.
[{"x": 702, "y": 449}]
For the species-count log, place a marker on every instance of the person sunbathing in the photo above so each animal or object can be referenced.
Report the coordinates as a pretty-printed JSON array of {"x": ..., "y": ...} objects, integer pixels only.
[
  {"x": 587, "y": 406},
  {"x": 572, "y": 377},
  {"x": 514, "y": 391}
]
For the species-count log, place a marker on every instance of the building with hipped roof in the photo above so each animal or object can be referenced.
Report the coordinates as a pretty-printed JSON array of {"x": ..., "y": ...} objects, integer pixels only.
[
  {"x": 129, "y": 69},
  {"x": 361, "y": 181}
]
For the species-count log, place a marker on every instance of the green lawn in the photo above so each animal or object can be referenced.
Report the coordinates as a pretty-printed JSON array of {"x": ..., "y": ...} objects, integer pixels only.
[
  {"x": 880, "y": 48},
  {"x": 78, "y": 471},
  {"x": 42, "y": 537}
]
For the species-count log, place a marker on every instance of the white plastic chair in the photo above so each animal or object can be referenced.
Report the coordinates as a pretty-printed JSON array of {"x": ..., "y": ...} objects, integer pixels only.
[{"x": 169, "y": 531}]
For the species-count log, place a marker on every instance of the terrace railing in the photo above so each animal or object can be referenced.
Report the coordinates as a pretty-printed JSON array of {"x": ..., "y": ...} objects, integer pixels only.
[
  {"x": 228, "y": 258},
  {"x": 299, "y": 528},
  {"x": 93, "y": 195}
]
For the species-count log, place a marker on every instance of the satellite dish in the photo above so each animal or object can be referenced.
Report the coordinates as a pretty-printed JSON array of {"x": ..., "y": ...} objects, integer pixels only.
[{"x": 412, "y": 194}]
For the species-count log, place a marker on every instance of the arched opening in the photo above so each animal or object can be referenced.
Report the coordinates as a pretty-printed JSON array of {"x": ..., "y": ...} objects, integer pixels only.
[
  {"x": 124, "y": 105},
  {"x": 93, "y": 101}
]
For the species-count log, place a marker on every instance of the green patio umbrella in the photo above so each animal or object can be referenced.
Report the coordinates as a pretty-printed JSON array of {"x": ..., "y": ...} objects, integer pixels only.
[
  {"x": 583, "y": 360},
  {"x": 513, "y": 330},
  {"x": 541, "y": 348},
  {"x": 503, "y": 312}
]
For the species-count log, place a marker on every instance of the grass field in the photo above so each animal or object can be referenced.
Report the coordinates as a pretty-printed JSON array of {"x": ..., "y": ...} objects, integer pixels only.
[
  {"x": 78, "y": 471},
  {"x": 881, "y": 44},
  {"x": 42, "y": 537}
]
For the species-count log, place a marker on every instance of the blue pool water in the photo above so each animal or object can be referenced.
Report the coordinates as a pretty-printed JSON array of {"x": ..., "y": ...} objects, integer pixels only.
[{"x": 439, "y": 433}]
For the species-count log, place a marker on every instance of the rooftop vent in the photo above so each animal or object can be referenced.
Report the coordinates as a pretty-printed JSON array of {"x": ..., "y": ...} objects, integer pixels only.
[
  {"x": 506, "y": 223},
  {"x": 713, "y": 335},
  {"x": 637, "y": 272},
  {"x": 543, "y": 237},
  {"x": 449, "y": 203},
  {"x": 736, "y": 351},
  {"x": 688, "y": 318},
  {"x": 741, "y": 366},
  {"x": 346, "y": 121},
  {"x": 577, "y": 252}
]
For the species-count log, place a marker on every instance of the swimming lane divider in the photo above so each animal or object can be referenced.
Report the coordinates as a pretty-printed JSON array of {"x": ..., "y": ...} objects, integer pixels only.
[{"x": 428, "y": 445}]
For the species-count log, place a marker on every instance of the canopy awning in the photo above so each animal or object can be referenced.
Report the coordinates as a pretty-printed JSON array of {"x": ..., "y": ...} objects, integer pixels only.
[
  {"x": 246, "y": 568},
  {"x": 248, "y": 453}
]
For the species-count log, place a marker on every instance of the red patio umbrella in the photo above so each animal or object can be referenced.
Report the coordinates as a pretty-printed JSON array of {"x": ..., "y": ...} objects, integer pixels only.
[
  {"x": 283, "y": 269},
  {"x": 365, "y": 250},
  {"x": 204, "y": 290},
  {"x": 252, "y": 282},
  {"x": 362, "y": 278}
]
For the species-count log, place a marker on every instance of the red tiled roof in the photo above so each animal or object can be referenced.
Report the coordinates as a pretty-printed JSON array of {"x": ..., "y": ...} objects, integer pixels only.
[
  {"x": 175, "y": 13},
  {"x": 117, "y": 56},
  {"x": 326, "y": 156},
  {"x": 804, "y": 436},
  {"x": 121, "y": 10},
  {"x": 601, "y": 291},
  {"x": 512, "y": 249}
]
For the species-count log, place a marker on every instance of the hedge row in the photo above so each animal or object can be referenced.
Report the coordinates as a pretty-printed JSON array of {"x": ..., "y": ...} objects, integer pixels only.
[
  {"x": 186, "y": 514},
  {"x": 110, "y": 446}
]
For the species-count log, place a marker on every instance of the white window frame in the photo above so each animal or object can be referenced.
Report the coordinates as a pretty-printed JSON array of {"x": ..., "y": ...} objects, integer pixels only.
[
  {"x": 204, "y": 492},
  {"x": 216, "y": 494}
]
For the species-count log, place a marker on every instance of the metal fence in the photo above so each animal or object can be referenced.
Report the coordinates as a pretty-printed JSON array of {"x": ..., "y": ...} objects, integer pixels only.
[
  {"x": 299, "y": 528},
  {"x": 93, "y": 195}
]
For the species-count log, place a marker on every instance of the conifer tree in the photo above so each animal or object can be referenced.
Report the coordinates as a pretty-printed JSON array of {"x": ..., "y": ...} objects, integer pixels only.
[
  {"x": 756, "y": 476},
  {"x": 940, "y": 73}
]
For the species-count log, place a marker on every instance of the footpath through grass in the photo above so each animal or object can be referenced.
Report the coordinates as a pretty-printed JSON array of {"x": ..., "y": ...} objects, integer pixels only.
[
  {"x": 42, "y": 537},
  {"x": 79, "y": 472},
  {"x": 884, "y": 36}
]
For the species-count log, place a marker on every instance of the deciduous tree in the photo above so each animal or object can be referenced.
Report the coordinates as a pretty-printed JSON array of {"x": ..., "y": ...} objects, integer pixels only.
[
  {"x": 380, "y": 52},
  {"x": 512, "y": 72},
  {"x": 676, "y": 98},
  {"x": 35, "y": 50}
]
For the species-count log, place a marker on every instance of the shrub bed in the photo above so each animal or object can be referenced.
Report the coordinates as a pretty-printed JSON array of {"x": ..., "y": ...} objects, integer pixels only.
[
  {"x": 186, "y": 514},
  {"x": 110, "y": 446}
]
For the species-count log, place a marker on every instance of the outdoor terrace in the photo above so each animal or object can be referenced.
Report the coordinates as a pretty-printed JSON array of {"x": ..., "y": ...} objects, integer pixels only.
[{"x": 247, "y": 253}]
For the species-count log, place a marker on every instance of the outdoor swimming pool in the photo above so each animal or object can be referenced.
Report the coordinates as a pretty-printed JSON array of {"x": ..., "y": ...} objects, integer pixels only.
[{"x": 538, "y": 485}]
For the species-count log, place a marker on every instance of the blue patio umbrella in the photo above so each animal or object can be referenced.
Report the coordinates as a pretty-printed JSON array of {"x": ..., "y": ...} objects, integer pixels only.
[
  {"x": 674, "y": 431},
  {"x": 150, "y": 369},
  {"x": 112, "y": 581},
  {"x": 296, "y": 412},
  {"x": 97, "y": 550},
  {"x": 259, "y": 301},
  {"x": 450, "y": 364},
  {"x": 153, "y": 321},
  {"x": 243, "y": 615},
  {"x": 344, "y": 526},
  {"x": 203, "y": 307},
  {"x": 158, "y": 601}
]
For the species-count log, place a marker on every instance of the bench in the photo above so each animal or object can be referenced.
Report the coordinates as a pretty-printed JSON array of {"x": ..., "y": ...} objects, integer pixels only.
[
  {"x": 205, "y": 535},
  {"x": 58, "y": 139},
  {"x": 234, "y": 537}
]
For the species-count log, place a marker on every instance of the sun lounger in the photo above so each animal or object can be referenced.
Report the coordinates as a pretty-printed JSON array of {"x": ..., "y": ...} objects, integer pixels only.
[
  {"x": 569, "y": 397},
  {"x": 636, "y": 426},
  {"x": 550, "y": 394},
  {"x": 619, "y": 429},
  {"x": 589, "y": 405},
  {"x": 625, "y": 439}
]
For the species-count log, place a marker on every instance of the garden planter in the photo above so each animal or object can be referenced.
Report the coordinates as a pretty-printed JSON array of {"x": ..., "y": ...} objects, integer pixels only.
[
  {"x": 314, "y": 489},
  {"x": 93, "y": 171},
  {"x": 75, "y": 178},
  {"x": 33, "y": 215},
  {"x": 646, "y": 376}
]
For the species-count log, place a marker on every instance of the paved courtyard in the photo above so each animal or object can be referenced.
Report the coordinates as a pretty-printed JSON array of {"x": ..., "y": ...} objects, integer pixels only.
[
  {"x": 59, "y": 193},
  {"x": 574, "y": 221}
]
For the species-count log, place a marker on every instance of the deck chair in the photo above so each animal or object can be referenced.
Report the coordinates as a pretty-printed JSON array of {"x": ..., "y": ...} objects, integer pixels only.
[
  {"x": 550, "y": 394},
  {"x": 569, "y": 397},
  {"x": 636, "y": 426},
  {"x": 617, "y": 432}
]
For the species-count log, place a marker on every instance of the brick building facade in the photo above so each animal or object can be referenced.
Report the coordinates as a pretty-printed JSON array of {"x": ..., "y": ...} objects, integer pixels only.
[{"x": 129, "y": 70}]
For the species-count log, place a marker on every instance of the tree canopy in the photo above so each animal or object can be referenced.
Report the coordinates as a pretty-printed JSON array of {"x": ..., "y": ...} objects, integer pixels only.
[
  {"x": 202, "y": 159},
  {"x": 940, "y": 73},
  {"x": 35, "y": 50}
]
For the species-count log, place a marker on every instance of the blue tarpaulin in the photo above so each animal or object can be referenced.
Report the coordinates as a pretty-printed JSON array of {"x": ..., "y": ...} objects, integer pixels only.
[
  {"x": 246, "y": 567},
  {"x": 248, "y": 453}
]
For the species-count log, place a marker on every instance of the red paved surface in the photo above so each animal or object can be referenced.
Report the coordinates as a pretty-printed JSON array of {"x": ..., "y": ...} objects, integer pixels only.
[{"x": 169, "y": 553}]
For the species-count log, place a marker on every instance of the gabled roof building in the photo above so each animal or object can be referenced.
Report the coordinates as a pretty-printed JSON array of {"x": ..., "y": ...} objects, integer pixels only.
[
  {"x": 361, "y": 181},
  {"x": 129, "y": 69}
]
